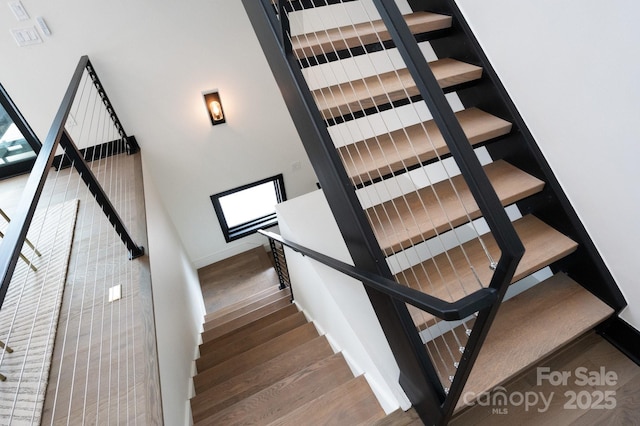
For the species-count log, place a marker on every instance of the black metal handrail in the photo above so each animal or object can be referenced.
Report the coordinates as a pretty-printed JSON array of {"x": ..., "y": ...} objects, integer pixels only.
[
  {"x": 22, "y": 217},
  {"x": 449, "y": 311}
]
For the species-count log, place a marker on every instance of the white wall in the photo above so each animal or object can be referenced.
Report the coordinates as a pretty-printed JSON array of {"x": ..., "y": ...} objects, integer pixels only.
[
  {"x": 179, "y": 309},
  {"x": 572, "y": 70},
  {"x": 337, "y": 304},
  {"x": 155, "y": 59}
]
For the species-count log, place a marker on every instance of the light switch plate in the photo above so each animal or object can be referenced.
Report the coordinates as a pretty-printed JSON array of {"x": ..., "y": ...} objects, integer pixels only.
[
  {"x": 18, "y": 10},
  {"x": 26, "y": 36}
]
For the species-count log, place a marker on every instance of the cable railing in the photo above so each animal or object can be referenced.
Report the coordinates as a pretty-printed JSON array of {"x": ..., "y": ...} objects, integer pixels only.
[
  {"x": 58, "y": 136},
  {"x": 80, "y": 322},
  {"x": 449, "y": 311},
  {"x": 426, "y": 216}
]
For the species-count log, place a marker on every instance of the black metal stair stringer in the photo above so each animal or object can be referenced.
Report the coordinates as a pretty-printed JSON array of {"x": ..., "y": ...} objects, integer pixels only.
[{"x": 427, "y": 395}]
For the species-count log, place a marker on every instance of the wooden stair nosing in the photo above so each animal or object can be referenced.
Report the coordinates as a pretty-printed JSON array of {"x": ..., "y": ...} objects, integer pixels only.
[
  {"x": 351, "y": 403},
  {"x": 211, "y": 323},
  {"x": 336, "y": 39},
  {"x": 244, "y": 304},
  {"x": 285, "y": 395},
  {"x": 420, "y": 215},
  {"x": 254, "y": 380},
  {"x": 358, "y": 95},
  {"x": 554, "y": 313},
  {"x": 236, "y": 323},
  {"x": 400, "y": 418},
  {"x": 436, "y": 277},
  {"x": 405, "y": 148},
  {"x": 221, "y": 353},
  {"x": 247, "y": 329},
  {"x": 251, "y": 358}
]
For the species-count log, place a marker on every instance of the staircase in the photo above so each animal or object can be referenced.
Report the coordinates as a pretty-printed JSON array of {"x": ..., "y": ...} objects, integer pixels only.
[
  {"x": 419, "y": 207},
  {"x": 261, "y": 362}
]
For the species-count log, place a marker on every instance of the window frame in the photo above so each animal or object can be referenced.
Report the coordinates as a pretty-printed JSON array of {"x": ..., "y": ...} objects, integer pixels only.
[
  {"x": 252, "y": 226},
  {"x": 22, "y": 166}
]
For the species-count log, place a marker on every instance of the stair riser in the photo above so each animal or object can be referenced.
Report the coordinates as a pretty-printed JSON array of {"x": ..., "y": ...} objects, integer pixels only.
[
  {"x": 253, "y": 381},
  {"x": 258, "y": 355},
  {"x": 224, "y": 352},
  {"x": 285, "y": 395},
  {"x": 243, "y": 320},
  {"x": 245, "y": 330},
  {"x": 236, "y": 313}
]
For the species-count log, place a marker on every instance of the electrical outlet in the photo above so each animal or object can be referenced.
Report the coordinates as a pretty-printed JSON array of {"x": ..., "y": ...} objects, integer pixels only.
[{"x": 115, "y": 293}]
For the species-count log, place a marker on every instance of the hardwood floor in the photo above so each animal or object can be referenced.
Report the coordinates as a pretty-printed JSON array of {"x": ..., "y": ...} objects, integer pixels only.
[
  {"x": 236, "y": 278},
  {"x": 611, "y": 398}
]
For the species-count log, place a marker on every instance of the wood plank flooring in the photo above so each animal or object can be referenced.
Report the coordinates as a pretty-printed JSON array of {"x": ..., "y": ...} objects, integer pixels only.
[{"x": 592, "y": 353}]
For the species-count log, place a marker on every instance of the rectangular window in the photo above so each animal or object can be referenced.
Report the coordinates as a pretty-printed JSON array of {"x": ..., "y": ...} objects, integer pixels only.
[
  {"x": 242, "y": 211},
  {"x": 17, "y": 155}
]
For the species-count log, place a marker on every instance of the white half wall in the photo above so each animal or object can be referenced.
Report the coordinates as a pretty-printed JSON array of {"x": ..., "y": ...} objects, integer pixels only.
[
  {"x": 572, "y": 69},
  {"x": 178, "y": 306},
  {"x": 337, "y": 304}
]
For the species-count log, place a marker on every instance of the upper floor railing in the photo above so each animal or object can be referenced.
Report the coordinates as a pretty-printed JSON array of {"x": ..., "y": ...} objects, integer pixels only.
[
  {"x": 58, "y": 135},
  {"x": 77, "y": 333}
]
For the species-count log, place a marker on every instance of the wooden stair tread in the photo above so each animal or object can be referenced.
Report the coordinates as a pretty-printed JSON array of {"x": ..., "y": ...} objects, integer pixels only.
[
  {"x": 358, "y": 95},
  {"x": 248, "y": 318},
  {"x": 400, "y": 418},
  {"x": 245, "y": 305},
  {"x": 254, "y": 380},
  {"x": 285, "y": 395},
  {"x": 404, "y": 148},
  {"x": 335, "y": 39},
  {"x": 222, "y": 352},
  {"x": 348, "y": 404},
  {"x": 245, "y": 330},
  {"x": 448, "y": 276},
  {"x": 554, "y": 313},
  {"x": 257, "y": 355},
  {"x": 244, "y": 308},
  {"x": 420, "y": 215}
]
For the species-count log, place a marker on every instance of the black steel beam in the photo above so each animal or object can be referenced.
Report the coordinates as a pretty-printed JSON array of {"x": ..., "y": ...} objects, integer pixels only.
[{"x": 100, "y": 196}]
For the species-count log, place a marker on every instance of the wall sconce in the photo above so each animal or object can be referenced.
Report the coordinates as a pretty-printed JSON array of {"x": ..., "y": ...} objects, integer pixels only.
[{"x": 214, "y": 107}]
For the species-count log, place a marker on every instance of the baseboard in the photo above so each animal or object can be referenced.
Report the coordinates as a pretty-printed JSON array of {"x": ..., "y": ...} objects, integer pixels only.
[{"x": 623, "y": 336}]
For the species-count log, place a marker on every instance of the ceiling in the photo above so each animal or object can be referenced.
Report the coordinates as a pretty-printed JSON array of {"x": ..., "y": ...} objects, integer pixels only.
[{"x": 155, "y": 59}]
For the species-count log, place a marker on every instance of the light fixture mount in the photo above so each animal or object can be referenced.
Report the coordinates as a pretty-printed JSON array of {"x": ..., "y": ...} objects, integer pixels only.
[{"x": 214, "y": 107}]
